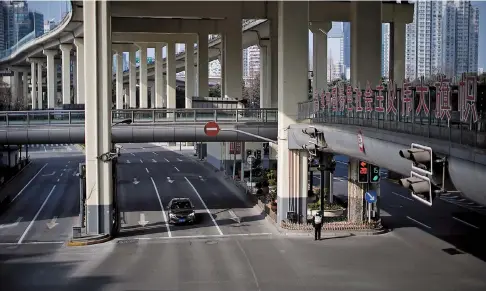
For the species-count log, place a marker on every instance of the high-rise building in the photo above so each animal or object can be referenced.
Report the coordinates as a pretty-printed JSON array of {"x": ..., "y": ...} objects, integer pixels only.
[
  {"x": 347, "y": 45},
  {"x": 385, "y": 50},
  {"x": 443, "y": 38},
  {"x": 335, "y": 52},
  {"x": 3, "y": 28},
  {"x": 253, "y": 58},
  {"x": 36, "y": 23},
  {"x": 49, "y": 25},
  {"x": 16, "y": 21}
]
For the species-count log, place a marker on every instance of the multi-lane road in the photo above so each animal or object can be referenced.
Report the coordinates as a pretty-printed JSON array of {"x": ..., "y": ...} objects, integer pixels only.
[{"x": 232, "y": 247}]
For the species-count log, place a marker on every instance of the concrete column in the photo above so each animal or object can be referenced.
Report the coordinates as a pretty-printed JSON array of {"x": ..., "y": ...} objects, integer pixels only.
[
  {"x": 203, "y": 65},
  {"x": 80, "y": 96},
  {"x": 319, "y": 59},
  {"x": 189, "y": 73},
  {"x": 143, "y": 76},
  {"x": 25, "y": 87},
  {"x": 159, "y": 74},
  {"x": 222, "y": 63},
  {"x": 233, "y": 61},
  {"x": 132, "y": 77},
  {"x": 265, "y": 76},
  {"x": 57, "y": 66},
  {"x": 51, "y": 78},
  {"x": 293, "y": 58},
  {"x": 33, "y": 84},
  {"x": 152, "y": 94},
  {"x": 365, "y": 43},
  {"x": 98, "y": 80},
  {"x": 170, "y": 66},
  {"x": 398, "y": 60},
  {"x": 66, "y": 72},
  {"x": 302, "y": 190},
  {"x": 119, "y": 80},
  {"x": 74, "y": 73},
  {"x": 355, "y": 193},
  {"x": 15, "y": 85},
  {"x": 40, "y": 93},
  {"x": 273, "y": 59}
]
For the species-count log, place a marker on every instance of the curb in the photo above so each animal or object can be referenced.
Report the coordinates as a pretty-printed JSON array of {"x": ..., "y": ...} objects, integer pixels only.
[
  {"x": 332, "y": 234},
  {"x": 79, "y": 242}
]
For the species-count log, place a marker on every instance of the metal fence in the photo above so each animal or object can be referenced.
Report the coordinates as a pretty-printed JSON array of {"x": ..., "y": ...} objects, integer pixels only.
[
  {"x": 416, "y": 122},
  {"x": 139, "y": 116}
]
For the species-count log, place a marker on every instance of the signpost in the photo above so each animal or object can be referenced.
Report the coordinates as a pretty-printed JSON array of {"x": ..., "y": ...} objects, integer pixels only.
[
  {"x": 371, "y": 197},
  {"x": 360, "y": 141},
  {"x": 211, "y": 128}
]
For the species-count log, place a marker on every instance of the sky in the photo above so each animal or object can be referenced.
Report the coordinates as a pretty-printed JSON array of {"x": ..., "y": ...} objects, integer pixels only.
[{"x": 55, "y": 9}]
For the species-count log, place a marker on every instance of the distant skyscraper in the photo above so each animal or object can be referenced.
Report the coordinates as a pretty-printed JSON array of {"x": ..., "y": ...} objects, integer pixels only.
[
  {"x": 335, "y": 52},
  {"x": 443, "y": 38},
  {"x": 347, "y": 45},
  {"x": 253, "y": 61},
  {"x": 36, "y": 23},
  {"x": 16, "y": 21},
  {"x": 49, "y": 25},
  {"x": 385, "y": 50}
]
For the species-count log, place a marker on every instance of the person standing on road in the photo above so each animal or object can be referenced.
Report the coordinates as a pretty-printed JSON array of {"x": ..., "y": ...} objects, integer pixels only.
[{"x": 317, "y": 223}]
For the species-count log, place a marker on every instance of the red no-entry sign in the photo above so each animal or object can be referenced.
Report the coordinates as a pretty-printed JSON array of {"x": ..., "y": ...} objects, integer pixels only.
[{"x": 211, "y": 128}]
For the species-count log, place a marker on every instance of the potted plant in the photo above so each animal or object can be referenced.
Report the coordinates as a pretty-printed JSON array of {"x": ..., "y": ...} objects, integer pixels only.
[
  {"x": 272, "y": 179},
  {"x": 333, "y": 210}
]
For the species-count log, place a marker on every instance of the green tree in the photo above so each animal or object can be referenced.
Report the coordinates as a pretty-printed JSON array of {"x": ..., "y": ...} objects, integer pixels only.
[
  {"x": 482, "y": 78},
  {"x": 215, "y": 91}
]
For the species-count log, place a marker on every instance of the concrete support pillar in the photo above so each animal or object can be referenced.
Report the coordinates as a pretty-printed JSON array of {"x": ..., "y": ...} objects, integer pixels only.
[
  {"x": 319, "y": 58},
  {"x": 33, "y": 84},
  {"x": 25, "y": 87},
  {"x": 265, "y": 76},
  {"x": 66, "y": 72},
  {"x": 397, "y": 51},
  {"x": 143, "y": 76},
  {"x": 51, "y": 78},
  {"x": 365, "y": 43},
  {"x": 233, "y": 61},
  {"x": 98, "y": 80},
  {"x": 189, "y": 74},
  {"x": 170, "y": 66},
  {"x": 132, "y": 77},
  {"x": 40, "y": 89},
  {"x": 15, "y": 85},
  {"x": 159, "y": 75},
  {"x": 80, "y": 96},
  {"x": 303, "y": 172},
  {"x": 273, "y": 59},
  {"x": 57, "y": 66},
  {"x": 355, "y": 193},
  {"x": 74, "y": 73},
  {"x": 119, "y": 80},
  {"x": 203, "y": 65},
  {"x": 222, "y": 62},
  {"x": 293, "y": 58},
  {"x": 152, "y": 94}
]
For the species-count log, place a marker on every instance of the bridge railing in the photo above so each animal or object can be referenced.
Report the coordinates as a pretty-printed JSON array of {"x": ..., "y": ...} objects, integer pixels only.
[
  {"x": 426, "y": 125},
  {"x": 139, "y": 116}
]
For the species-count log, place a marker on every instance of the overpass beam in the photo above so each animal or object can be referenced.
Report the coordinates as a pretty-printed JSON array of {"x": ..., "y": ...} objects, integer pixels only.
[
  {"x": 119, "y": 80},
  {"x": 51, "y": 78},
  {"x": 66, "y": 72},
  {"x": 159, "y": 75},
  {"x": 98, "y": 57},
  {"x": 80, "y": 96},
  {"x": 365, "y": 42},
  {"x": 132, "y": 77},
  {"x": 233, "y": 61},
  {"x": 293, "y": 56},
  {"x": 171, "y": 75},
  {"x": 33, "y": 83},
  {"x": 189, "y": 73},
  {"x": 143, "y": 76},
  {"x": 203, "y": 65},
  {"x": 319, "y": 58}
]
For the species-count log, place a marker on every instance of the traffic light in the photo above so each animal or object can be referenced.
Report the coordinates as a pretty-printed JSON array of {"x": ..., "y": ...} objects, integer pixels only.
[
  {"x": 421, "y": 188},
  {"x": 316, "y": 138},
  {"x": 374, "y": 174},
  {"x": 422, "y": 158},
  {"x": 266, "y": 149},
  {"x": 363, "y": 173}
]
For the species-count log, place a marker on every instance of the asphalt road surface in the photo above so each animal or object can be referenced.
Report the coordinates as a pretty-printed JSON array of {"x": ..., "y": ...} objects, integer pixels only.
[{"x": 231, "y": 248}]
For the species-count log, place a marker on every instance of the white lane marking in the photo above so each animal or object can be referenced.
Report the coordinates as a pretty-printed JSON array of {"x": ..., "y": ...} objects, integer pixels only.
[
  {"x": 166, "y": 160},
  {"x": 342, "y": 163},
  {"x": 234, "y": 216},
  {"x": 162, "y": 208},
  {"x": 141, "y": 161},
  {"x": 404, "y": 197},
  {"x": 147, "y": 171},
  {"x": 132, "y": 154},
  {"x": 33, "y": 243},
  {"x": 8, "y": 225},
  {"x": 45, "y": 149},
  {"x": 28, "y": 183},
  {"x": 176, "y": 169},
  {"x": 204, "y": 204},
  {"x": 36, "y": 215},
  {"x": 62, "y": 174},
  {"x": 154, "y": 161},
  {"x": 416, "y": 221},
  {"x": 51, "y": 174},
  {"x": 128, "y": 161},
  {"x": 155, "y": 153},
  {"x": 198, "y": 236},
  {"x": 58, "y": 180},
  {"x": 466, "y": 223},
  {"x": 179, "y": 160}
]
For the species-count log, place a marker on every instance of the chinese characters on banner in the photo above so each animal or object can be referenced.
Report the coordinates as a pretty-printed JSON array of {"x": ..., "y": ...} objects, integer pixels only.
[{"x": 389, "y": 99}]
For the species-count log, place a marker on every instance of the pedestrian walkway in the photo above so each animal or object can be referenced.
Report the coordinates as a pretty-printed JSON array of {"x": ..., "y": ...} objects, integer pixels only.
[{"x": 61, "y": 147}]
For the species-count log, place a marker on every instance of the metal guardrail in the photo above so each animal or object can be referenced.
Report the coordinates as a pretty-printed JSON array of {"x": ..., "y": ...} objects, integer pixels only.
[
  {"x": 453, "y": 130},
  {"x": 139, "y": 116}
]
